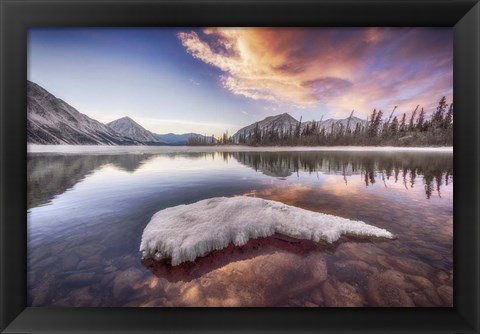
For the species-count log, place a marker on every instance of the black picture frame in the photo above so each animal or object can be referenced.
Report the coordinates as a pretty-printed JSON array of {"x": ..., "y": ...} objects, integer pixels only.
[{"x": 17, "y": 16}]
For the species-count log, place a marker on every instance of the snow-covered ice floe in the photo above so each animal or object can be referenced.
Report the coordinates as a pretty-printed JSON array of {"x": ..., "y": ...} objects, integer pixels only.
[{"x": 185, "y": 232}]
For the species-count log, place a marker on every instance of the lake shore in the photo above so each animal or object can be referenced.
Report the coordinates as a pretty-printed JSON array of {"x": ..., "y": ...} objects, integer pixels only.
[{"x": 102, "y": 149}]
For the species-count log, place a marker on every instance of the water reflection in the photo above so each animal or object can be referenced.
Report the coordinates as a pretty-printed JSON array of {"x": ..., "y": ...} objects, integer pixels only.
[
  {"x": 49, "y": 175},
  {"x": 435, "y": 169}
]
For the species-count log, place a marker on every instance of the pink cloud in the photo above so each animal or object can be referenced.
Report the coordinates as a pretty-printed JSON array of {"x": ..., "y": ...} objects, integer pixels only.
[{"x": 340, "y": 68}]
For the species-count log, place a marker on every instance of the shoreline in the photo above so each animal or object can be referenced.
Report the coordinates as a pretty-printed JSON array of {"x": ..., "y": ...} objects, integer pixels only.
[{"x": 105, "y": 149}]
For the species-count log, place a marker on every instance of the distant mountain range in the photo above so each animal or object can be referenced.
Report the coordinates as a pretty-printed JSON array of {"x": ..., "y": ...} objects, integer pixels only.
[
  {"x": 285, "y": 123},
  {"x": 129, "y": 128},
  {"x": 52, "y": 121}
]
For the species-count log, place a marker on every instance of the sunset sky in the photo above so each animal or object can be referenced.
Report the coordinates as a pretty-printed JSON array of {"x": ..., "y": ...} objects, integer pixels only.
[{"x": 217, "y": 79}]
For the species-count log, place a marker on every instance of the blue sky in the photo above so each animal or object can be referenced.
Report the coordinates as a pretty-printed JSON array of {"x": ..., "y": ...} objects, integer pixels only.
[{"x": 220, "y": 79}]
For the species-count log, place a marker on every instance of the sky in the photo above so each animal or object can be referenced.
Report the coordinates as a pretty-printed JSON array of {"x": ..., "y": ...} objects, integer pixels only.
[{"x": 212, "y": 80}]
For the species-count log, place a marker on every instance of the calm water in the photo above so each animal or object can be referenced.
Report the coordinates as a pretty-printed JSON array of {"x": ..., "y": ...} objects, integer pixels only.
[{"x": 86, "y": 214}]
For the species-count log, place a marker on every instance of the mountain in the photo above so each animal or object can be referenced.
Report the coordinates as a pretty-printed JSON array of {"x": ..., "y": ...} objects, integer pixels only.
[
  {"x": 52, "y": 121},
  {"x": 337, "y": 123},
  {"x": 284, "y": 122},
  {"x": 129, "y": 128},
  {"x": 176, "y": 139}
]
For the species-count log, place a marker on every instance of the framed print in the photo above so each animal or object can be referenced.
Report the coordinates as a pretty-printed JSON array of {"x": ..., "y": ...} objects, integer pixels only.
[{"x": 240, "y": 166}]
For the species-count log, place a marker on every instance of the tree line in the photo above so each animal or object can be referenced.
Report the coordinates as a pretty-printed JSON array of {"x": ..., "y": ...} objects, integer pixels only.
[{"x": 415, "y": 130}]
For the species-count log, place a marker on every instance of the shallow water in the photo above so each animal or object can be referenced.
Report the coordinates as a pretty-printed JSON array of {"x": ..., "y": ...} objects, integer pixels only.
[{"x": 87, "y": 211}]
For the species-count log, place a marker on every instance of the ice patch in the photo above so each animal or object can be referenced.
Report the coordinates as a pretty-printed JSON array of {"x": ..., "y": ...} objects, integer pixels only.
[{"x": 186, "y": 232}]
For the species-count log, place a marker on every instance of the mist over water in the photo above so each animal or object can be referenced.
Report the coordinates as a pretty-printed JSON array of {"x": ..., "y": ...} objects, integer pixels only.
[{"x": 86, "y": 213}]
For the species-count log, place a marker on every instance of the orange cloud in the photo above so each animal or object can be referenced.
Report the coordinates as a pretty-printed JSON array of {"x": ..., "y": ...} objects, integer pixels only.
[{"x": 340, "y": 68}]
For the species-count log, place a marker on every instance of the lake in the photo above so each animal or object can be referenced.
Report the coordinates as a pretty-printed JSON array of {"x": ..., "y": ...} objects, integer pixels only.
[{"x": 87, "y": 209}]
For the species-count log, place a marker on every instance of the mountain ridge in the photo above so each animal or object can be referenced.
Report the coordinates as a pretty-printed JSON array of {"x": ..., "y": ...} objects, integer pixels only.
[
  {"x": 51, "y": 120},
  {"x": 285, "y": 122},
  {"x": 127, "y": 127}
]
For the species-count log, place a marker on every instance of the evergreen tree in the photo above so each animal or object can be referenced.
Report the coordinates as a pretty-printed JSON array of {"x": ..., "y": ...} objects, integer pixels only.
[
  {"x": 421, "y": 121},
  {"x": 411, "y": 125},
  {"x": 371, "y": 126},
  {"x": 439, "y": 114},
  {"x": 378, "y": 121},
  {"x": 447, "y": 123},
  {"x": 393, "y": 128},
  {"x": 403, "y": 126}
]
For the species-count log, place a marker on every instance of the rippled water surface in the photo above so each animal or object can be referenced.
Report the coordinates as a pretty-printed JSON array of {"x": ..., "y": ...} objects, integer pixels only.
[{"x": 86, "y": 214}]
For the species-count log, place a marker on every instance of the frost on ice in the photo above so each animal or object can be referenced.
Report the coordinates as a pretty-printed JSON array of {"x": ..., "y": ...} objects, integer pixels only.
[{"x": 186, "y": 232}]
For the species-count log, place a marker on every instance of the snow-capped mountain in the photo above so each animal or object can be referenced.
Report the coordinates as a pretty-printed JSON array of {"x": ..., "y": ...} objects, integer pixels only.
[
  {"x": 52, "y": 121},
  {"x": 129, "y": 128},
  {"x": 284, "y": 122},
  {"x": 338, "y": 123}
]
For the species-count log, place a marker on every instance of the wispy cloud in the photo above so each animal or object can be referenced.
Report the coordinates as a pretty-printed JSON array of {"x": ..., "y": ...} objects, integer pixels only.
[{"x": 340, "y": 68}]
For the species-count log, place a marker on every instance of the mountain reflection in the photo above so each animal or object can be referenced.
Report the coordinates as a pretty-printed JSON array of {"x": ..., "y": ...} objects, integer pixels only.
[
  {"x": 434, "y": 169},
  {"x": 49, "y": 175}
]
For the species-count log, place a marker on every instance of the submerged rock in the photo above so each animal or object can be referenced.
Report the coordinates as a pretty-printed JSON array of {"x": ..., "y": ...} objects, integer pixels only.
[
  {"x": 341, "y": 294},
  {"x": 352, "y": 271},
  {"x": 46, "y": 262},
  {"x": 442, "y": 276},
  {"x": 78, "y": 298},
  {"x": 360, "y": 251},
  {"x": 43, "y": 291},
  {"x": 388, "y": 289},
  {"x": 427, "y": 253},
  {"x": 406, "y": 265},
  {"x": 124, "y": 283},
  {"x": 446, "y": 294},
  {"x": 70, "y": 261},
  {"x": 58, "y": 247},
  {"x": 89, "y": 250},
  {"x": 125, "y": 262},
  {"x": 267, "y": 279},
  {"x": 79, "y": 279},
  {"x": 87, "y": 264},
  {"x": 427, "y": 288},
  {"x": 316, "y": 296}
]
